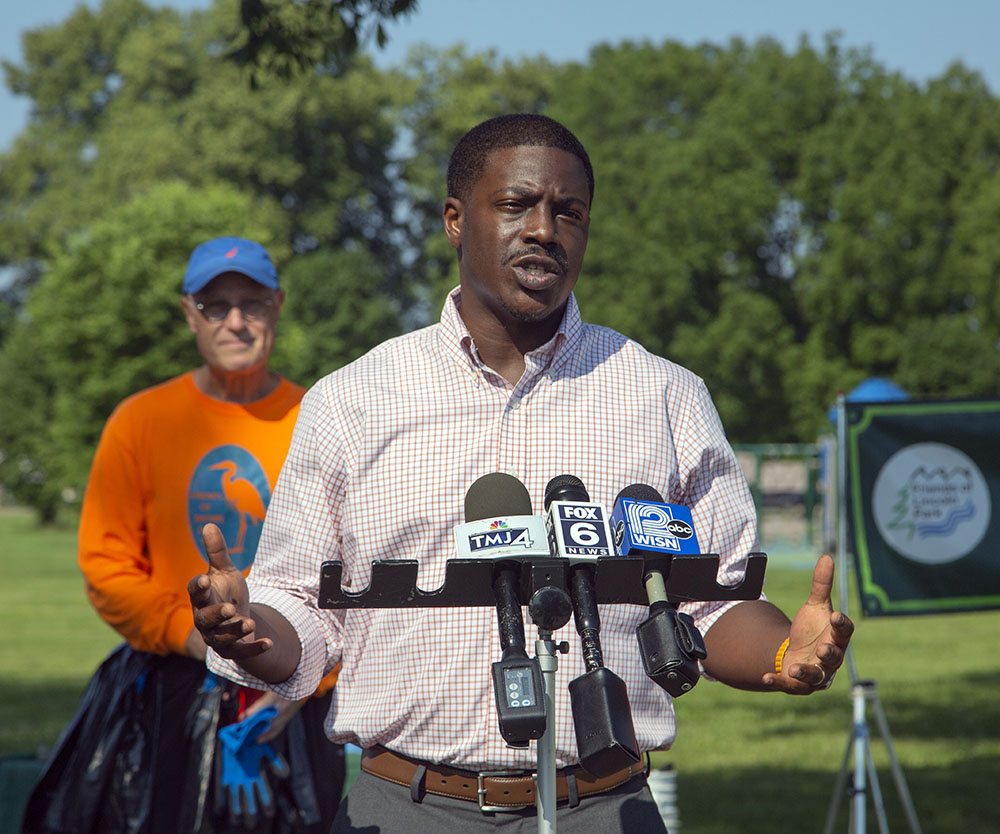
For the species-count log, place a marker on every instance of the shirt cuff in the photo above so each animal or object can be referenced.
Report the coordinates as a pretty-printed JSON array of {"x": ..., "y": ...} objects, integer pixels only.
[{"x": 308, "y": 674}]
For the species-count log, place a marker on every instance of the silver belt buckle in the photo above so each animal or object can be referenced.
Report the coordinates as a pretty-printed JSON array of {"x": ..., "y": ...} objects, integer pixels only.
[{"x": 481, "y": 792}]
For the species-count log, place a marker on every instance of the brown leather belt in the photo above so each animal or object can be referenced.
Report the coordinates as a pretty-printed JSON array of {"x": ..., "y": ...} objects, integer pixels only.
[{"x": 493, "y": 790}]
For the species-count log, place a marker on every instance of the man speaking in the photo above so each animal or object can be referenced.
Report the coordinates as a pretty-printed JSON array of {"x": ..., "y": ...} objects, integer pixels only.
[{"x": 511, "y": 379}]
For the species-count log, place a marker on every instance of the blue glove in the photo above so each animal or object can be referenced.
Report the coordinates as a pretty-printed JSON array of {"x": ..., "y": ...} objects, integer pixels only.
[
  {"x": 241, "y": 764},
  {"x": 211, "y": 681}
]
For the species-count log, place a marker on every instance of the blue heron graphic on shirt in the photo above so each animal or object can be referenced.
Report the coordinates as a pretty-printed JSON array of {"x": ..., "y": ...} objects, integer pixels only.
[{"x": 230, "y": 488}]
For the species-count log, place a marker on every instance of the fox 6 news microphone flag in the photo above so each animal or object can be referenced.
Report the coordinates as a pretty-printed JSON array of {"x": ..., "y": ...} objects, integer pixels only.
[
  {"x": 577, "y": 527},
  {"x": 602, "y": 715},
  {"x": 923, "y": 489}
]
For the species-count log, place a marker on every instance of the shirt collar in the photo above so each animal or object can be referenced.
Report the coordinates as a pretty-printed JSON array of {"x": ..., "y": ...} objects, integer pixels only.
[{"x": 551, "y": 356}]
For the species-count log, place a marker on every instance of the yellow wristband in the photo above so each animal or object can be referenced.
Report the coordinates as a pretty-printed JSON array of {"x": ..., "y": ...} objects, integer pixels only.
[{"x": 780, "y": 656}]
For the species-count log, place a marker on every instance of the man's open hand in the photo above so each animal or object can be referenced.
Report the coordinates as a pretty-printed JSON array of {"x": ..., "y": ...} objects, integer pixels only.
[
  {"x": 221, "y": 603},
  {"x": 817, "y": 641}
]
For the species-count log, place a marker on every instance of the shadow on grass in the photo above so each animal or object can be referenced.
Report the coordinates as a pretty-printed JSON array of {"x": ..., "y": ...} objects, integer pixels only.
[
  {"x": 967, "y": 710},
  {"x": 945, "y": 735},
  {"x": 32, "y": 716},
  {"x": 772, "y": 800}
]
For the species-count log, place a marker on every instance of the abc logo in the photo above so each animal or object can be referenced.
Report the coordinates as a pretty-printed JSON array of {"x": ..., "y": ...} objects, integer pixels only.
[{"x": 680, "y": 528}]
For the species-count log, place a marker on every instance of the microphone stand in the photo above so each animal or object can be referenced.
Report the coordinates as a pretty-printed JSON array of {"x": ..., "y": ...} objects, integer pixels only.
[
  {"x": 545, "y": 781},
  {"x": 469, "y": 582},
  {"x": 550, "y": 609}
]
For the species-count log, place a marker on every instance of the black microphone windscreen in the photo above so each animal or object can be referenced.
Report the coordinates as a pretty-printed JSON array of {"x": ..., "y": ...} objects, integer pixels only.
[
  {"x": 496, "y": 494},
  {"x": 565, "y": 488},
  {"x": 640, "y": 492}
]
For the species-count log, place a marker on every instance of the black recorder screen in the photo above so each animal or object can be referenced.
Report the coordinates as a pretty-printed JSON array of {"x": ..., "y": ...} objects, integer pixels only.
[{"x": 519, "y": 687}]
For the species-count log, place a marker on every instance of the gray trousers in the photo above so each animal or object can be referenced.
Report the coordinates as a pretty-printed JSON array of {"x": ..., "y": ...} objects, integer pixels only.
[{"x": 375, "y": 806}]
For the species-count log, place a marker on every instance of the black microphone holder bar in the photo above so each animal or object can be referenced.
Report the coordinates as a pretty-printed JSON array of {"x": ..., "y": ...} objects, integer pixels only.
[{"x": 469, "y": 582}]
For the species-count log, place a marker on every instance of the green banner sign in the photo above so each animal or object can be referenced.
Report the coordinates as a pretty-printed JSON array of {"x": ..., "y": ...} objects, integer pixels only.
[{"x": 924, "y": 505}]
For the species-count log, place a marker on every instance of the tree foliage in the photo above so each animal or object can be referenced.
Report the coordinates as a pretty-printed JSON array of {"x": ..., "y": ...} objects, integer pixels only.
[
  {"x": 333, "y": 313},
  {"x": 104, "y": 323},
  {"x": 128, "y": 95},
  {"x": 282, "y": 38},
  {"x": 785, "y": 223}
]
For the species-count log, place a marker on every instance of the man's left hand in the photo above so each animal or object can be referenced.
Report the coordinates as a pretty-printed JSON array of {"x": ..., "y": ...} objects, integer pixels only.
[{"x": 817, "y": 642}]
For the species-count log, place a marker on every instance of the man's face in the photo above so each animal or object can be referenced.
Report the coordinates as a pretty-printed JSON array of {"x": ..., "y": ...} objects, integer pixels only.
[
  {"x": 238, "y": 343},
  {"x": 521, "y": 234}
]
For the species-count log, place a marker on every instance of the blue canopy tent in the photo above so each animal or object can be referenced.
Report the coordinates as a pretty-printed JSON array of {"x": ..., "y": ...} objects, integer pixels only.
[{"x": 875, "y": 389}]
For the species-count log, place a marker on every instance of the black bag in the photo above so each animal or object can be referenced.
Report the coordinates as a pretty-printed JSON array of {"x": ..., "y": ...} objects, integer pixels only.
[
  {"x": 137, "y": 757},
  {"x": 70, "y": 792},
  {"x": 100, "y": 777}
]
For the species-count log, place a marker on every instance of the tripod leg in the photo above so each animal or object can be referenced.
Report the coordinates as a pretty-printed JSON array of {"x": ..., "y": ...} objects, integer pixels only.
[
  {"x": 883, "y": 823},
  {"x": 838, "y": 787},
  {"x": 859, "y": 788},
  {"x": 897, "y": 771}
]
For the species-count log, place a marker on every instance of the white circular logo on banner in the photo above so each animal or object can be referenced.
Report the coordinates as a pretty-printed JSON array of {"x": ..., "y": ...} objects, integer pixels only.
[{"x": 931, "y": 503}]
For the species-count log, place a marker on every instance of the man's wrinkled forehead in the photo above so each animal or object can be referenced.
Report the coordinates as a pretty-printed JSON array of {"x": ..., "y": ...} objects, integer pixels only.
[{"x": 525, "y": 170}]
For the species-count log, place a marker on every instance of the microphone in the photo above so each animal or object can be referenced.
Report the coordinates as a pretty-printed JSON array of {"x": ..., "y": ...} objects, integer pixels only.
[
  {"x": 576, "y": 527},
  {"x": 669, "y": 642},
  {"x": 499, "y": 524},
  {"x": 602, "y": 716}
]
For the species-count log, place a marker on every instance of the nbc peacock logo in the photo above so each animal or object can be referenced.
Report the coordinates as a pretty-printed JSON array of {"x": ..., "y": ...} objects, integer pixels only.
[{"x": 229, "y": 488}]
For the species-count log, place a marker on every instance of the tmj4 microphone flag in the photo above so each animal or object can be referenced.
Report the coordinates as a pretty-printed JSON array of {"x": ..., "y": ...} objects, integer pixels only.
[{"x": 923, "y": 501}]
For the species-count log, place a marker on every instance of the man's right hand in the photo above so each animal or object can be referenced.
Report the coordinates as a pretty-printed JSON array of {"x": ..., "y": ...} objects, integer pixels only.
[{"x": 221, "y": 603}]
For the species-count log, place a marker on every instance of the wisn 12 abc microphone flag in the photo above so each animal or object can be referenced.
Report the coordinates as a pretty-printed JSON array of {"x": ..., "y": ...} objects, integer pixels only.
[
  {"x": 653, "y": 527},
  {"x": 923, "y": 497}
]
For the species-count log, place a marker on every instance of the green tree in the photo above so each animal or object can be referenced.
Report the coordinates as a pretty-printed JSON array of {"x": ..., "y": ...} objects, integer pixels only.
[
  {"x": 333, "y": 313},
  {"x": 127, "y": 95},
  {"x": 785, "y": 223},
  {"x": 691, "y": 249},
  {"x": 104, "y": 323},
  {"x": 282, "y": 38}
]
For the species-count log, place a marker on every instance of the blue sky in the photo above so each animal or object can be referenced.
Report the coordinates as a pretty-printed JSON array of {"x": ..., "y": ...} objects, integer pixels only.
[{"x": 917, "y": 37}]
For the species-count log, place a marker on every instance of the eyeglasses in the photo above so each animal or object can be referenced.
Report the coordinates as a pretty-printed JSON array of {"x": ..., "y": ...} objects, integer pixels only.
[{"x": 252, "y": 309}]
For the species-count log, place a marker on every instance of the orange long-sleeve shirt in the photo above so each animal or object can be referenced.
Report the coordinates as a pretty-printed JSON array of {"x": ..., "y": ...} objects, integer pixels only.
[{"x": 171, "y": 459}]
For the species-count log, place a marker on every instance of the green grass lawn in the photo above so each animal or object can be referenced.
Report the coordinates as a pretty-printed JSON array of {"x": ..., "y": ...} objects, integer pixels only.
[
  {"x": 746, "y": 762},
  {"x": 53, "y": 640},
  {"x": 749, "y": 762}
]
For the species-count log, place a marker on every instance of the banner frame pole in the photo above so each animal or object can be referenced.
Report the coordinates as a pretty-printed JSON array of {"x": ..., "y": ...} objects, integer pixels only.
[{"x": 859, "y": 739}]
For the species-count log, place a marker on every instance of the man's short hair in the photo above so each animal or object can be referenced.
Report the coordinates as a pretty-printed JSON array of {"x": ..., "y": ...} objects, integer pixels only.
[{"x": 513, "y": 130}]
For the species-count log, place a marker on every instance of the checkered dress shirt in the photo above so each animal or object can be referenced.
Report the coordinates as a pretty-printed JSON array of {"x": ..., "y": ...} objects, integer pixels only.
[{"x": 382, "y": 456}]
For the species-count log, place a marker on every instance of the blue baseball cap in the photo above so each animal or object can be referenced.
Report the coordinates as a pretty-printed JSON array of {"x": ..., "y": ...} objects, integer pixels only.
[{"x": 229, "y": 254}]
